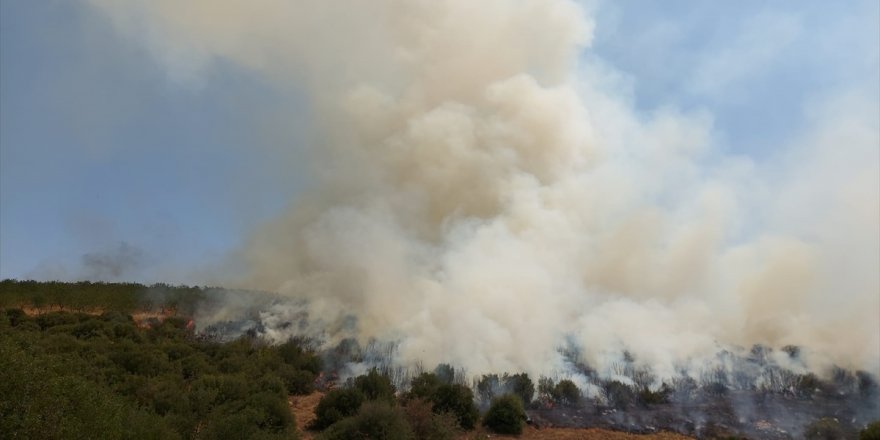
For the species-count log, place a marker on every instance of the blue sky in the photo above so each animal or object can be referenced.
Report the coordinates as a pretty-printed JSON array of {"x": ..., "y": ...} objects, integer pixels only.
[{"x": 110, "y": 170}]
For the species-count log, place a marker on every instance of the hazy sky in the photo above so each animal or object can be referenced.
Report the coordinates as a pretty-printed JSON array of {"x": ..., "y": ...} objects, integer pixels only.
[{"x": 112, "y": 169}]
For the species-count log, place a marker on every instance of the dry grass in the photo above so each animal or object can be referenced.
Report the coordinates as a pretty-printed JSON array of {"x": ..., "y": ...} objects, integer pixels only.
[
  {"x": 141, "y": 318},
  {"x": 36, "y": 311},
  {"x": 303, "y": 408}
]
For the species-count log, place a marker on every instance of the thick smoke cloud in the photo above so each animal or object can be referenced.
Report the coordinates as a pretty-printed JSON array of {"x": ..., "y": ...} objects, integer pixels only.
[{"x": 483, "y": 196}]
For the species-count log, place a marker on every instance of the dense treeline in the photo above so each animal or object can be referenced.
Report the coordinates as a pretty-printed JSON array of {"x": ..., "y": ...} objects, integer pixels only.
[
  {"x": 87, "y": 295},
  {"x": 73, "y": 375}
]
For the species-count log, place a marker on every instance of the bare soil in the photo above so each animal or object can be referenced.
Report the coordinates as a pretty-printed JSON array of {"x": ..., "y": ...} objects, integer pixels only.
[{"x": 303, "y": 408}]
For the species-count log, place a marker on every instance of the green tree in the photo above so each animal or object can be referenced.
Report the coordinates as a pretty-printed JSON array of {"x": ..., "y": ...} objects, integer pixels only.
[
  {"x": 337, "y": 405},
  {"x": 487, "y": 387},
  {"x": 375, "y": 420},
  {"x": 457, "y": 400},
  {"x": 424, "y": 386},
  {"x": 566, "y": 392},
  {"x": 375, "y": 386},
  {"x": 506, "y": 415},
  {"x": 521, "y": 386}
]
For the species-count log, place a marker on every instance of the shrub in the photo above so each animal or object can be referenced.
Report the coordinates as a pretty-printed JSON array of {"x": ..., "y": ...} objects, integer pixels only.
[
  {"x": 272, "y": 383},
  {"x": 297, "y": 381},
  {"x": 715, "y": 388},
  {"x": 505, "y": 415},
  {"x": 684, "y": 388},
  {"x": 521, "y": 386},
  {"x": 195, "y": 366},
  {"x": 546, "y": 388},
  {"x": 457, "y": 400},
  {"x": 16, "y": 316},
  {"x": 294, "y": 354},
  {"x": 424, "y": 386},
  {"x": 336, "y": 405},
  {"x": 270, "y": 411},
  {"x": 647, "y": 396},
  {"x": 239, "y": 425},
  {"x": 566, "y": 393},
  {"x": 426, "y": 424},
  {"x": 445, "y": 373},
  {"x": 825, "y": 428},
  {"x": 871, "y": 432},
  {"x": 375, "y": 386},
  {"x": 807, "y": 385},
  {"x": 518, "y": 384},
  {"x": 375, "y": 420},
  {"x": 54, "y": 319},
  {"x": 866, "y": 384},
  {"x": 618, "y": 394},
  {"x": 487, "y": 387}
]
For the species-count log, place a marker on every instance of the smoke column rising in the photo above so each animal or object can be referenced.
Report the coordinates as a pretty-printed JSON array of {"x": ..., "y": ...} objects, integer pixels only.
[{"x": 483, "y": 195}]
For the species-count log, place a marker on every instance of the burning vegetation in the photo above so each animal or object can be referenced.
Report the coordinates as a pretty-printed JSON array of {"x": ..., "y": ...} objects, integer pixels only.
[{"x": 176, "y": 378}]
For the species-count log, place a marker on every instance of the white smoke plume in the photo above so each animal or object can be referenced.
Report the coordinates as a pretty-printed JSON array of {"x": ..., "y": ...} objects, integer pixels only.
[{"x": 482, "y": 195}]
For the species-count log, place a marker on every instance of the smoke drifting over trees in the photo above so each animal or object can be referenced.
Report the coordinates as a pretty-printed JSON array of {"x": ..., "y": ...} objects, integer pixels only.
[{"x": 483, "y": 196}]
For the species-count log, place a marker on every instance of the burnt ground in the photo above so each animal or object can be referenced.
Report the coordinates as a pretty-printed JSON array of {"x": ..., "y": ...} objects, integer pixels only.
[{"x": 746, "y": 414}]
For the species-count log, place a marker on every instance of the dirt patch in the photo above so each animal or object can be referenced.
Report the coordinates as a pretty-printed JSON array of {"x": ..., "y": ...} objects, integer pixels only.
[{"x": 303, "y": 409}]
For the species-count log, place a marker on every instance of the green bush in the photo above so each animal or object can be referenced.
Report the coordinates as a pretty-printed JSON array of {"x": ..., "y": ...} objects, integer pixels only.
[
  {"x": 375, "y": 386},
  {"x": 546, "y": 388},
  {"x": 272, "y": 413},
  {"x": 16, "y": 316},
  {"x": 39, "y": 403},
  {"x": 294, "y": 354},
  {"x": 521, "y": 386},
  {"x": 457, "y": 400},
  {"x": 337, "y": 405},
  {"x": 871, "y": 432},
  {"x": 424, "y": 386},
  {"x": 195, "y": 365},
  {"x": 235, "y": 426},
  {"x": 375, "y": 420},
  {"x": 299, "y": 382},
  {"x": 54, "y": 319},
  {"x": 506, "y": 415},
  {"x": 618, "y": 394},
  {"x": 75, "y": 375}
]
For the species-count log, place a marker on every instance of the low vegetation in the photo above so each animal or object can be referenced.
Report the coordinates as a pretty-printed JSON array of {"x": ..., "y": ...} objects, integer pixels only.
[
  {"x": 506, "y": 415},
  {"x": 75, "y": 375},
  {"x": 74, "y": 363},
  {"x": 871, "y": 432}
]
